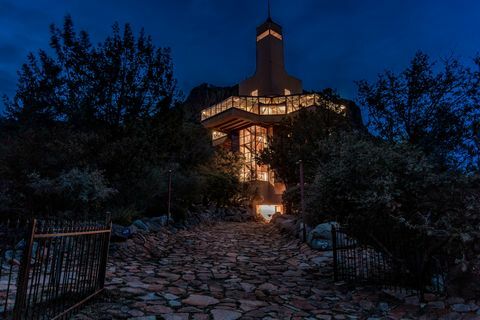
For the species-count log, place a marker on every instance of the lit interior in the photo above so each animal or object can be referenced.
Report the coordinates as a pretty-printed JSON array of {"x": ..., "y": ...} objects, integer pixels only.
[
  {"x": 272, "y": 105},
  {"x": 271, "y": 33},
  {"x": 252, "y": 142},
  {"x": 217, "y": 135},
  {"x": 267, "y": 211}
]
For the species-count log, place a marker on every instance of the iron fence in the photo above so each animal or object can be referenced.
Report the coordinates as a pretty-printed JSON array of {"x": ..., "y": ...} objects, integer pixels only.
[
  {"x": 11, "y": 234},
  {"x": 387, "y": 262},
  {"x": 50, "y": 268}
]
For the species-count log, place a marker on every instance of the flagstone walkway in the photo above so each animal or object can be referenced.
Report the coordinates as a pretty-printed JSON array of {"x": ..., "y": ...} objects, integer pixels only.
[{"x": 230, "y": 271}]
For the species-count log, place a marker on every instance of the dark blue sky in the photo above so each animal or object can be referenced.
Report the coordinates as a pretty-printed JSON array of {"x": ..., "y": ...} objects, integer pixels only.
[{"x": 329, "y": 43}]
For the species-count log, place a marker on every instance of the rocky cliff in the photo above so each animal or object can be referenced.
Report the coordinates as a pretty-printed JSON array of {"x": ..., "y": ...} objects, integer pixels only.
[{"x": 204, "y": 96}]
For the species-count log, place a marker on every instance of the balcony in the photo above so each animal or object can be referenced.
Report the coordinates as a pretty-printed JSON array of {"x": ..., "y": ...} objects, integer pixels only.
[{"x": 271, "y": 106}]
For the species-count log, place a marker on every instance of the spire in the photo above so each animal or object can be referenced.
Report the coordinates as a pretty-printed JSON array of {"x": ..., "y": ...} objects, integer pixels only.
[
  {"x": 269, "y": 11},
  {"x": 270, "y": 76}
]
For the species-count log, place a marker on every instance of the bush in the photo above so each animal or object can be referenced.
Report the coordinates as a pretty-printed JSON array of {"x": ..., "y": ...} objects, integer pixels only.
[
  {"x": 220, "y": 179},
  {"x": 363, "y": 176},
  {"x": 396, "y": 192},
  {"x": 78, "y": 190},
  {"x": 125, "y": 216}
]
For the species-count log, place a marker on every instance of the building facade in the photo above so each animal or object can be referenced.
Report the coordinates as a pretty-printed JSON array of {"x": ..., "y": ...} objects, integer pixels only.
[{"x": 245, "y": 123}]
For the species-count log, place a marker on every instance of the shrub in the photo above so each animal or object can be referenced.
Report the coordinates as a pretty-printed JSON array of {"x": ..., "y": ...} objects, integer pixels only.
[
  {"x": 394, "y": 191},
  {"x": 78, "y": 190},
  {"x": 125, "y": 216}
]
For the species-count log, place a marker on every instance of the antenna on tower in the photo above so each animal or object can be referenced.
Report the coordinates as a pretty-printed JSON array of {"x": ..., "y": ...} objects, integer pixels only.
[{"x": 269, "y": 10}]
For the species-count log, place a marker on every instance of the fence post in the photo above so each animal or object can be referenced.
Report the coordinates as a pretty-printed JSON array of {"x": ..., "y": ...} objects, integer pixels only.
[
  {"x": 103, "y": 265},
  {"x": 24, "y": 272},
  {"x": 334, "y": 248}
]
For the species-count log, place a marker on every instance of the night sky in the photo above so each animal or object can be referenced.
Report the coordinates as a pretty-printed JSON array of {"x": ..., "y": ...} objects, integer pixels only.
[{"x": 329, "y": 43}]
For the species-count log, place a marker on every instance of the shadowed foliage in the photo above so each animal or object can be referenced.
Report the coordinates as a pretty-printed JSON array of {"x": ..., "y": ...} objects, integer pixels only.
[{"x": 102, "y": 119}]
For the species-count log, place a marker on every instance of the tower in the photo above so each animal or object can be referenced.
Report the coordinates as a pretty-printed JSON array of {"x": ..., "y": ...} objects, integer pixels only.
[
  {"x": 245, "y": 123},
  {"x": 270, "y": 78}
]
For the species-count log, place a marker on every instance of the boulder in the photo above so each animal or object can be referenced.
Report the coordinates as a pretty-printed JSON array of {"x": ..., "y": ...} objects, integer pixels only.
[
  {"x": 12, "y": 258},
  {"x": 156, "y": 224},
  {"x": 140, "y": 225},
  {"x": 323, "y": 231},
  {"x": 320, "y": 237},
  {"x": 120, "y": 233},
  {"x": 286, "y": 223},
  {"x": 320, "y": 244}
]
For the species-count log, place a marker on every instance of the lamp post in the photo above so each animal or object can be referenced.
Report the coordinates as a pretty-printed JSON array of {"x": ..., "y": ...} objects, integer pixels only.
[
  {"x": 169, "y": 194},
  {"x": 302, "y": 195}
]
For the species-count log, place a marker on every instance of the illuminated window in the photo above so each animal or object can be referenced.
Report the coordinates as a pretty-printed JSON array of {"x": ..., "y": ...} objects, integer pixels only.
[
  {"x": 269, "y": 32},
  {"x": 273, "y": 110},
  {"x": 263, "y": 35},
  {"x": 218, "y": 135},
  {"x": 272, "y": 106},
  {"x": 276, "y": 35},
  {"x": 252, "y": 142}
]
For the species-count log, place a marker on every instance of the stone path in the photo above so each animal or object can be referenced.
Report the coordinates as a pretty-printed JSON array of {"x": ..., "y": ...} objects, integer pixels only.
[{"x": 236, "y": 271}]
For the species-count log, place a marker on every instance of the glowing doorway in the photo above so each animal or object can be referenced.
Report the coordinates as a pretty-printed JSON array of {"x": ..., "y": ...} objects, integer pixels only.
[{"x": 267, "y": 211}]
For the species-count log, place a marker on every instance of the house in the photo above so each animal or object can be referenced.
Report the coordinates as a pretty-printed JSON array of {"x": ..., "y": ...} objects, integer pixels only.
[{"x": 245, "y": 122}]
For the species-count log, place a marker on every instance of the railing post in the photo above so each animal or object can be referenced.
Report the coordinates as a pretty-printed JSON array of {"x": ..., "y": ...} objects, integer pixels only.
[
  {"x": 103, "y": 265},
  {"x": 334, "y": 248},
  {"x": 24, "y": 272}
]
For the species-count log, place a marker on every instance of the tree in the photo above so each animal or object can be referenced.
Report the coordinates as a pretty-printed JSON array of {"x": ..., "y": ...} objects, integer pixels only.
[
  {"x": 109, "y": 109},
  {"x": 383, "y": 192},
  {"x": 428, "y": 106},
  {"x": 221, "y": 177},
  {"x": 115, "y": 84},
  {"x": 297, "y": 136},
  {"x": 81, "y": 191}
]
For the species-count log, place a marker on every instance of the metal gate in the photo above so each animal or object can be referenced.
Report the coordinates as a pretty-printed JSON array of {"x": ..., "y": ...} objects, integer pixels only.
[{"x": 50, "y": 268}]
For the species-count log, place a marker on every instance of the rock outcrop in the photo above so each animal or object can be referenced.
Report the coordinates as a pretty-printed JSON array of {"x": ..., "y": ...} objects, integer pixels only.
[{"x": 204, "y": 96}]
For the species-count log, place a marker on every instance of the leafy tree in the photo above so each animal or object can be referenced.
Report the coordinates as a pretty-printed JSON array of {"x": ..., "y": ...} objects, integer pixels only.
[
  {"x": 109, "y": 108},
  {"x": 115, "y": 84},
  {"x": 385, "y": 191},
  {"x": 81, "y": 191},
  {"x": 221, "y": 177},
  {"x": 297, "y": 136},
  {"x": 429, "y": 106}
]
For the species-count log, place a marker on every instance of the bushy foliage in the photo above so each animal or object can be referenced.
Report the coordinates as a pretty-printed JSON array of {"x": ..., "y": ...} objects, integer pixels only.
[
  {"x": 116, "y": 83},
  {"x": 221, "y": 177},
  {"x": 78, "y": 190},
  {"x": 414, "y": 180},
  {"x": 398, "y": 196},
  {"x": 296, "y": 138},
  {"x": 88, "y": 118},
  {"x": 368, "y": 178},
  {"x": 432, "y": 106}
]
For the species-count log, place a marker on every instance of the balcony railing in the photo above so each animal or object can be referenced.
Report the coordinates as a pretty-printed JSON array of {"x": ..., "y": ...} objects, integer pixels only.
[{"x": 279, "y": 105}]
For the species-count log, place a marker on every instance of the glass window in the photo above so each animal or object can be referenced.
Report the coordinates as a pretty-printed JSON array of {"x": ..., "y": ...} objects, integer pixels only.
[
  {"x": 263, "y": 35},
  {"x": 276, "y": 35}
]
